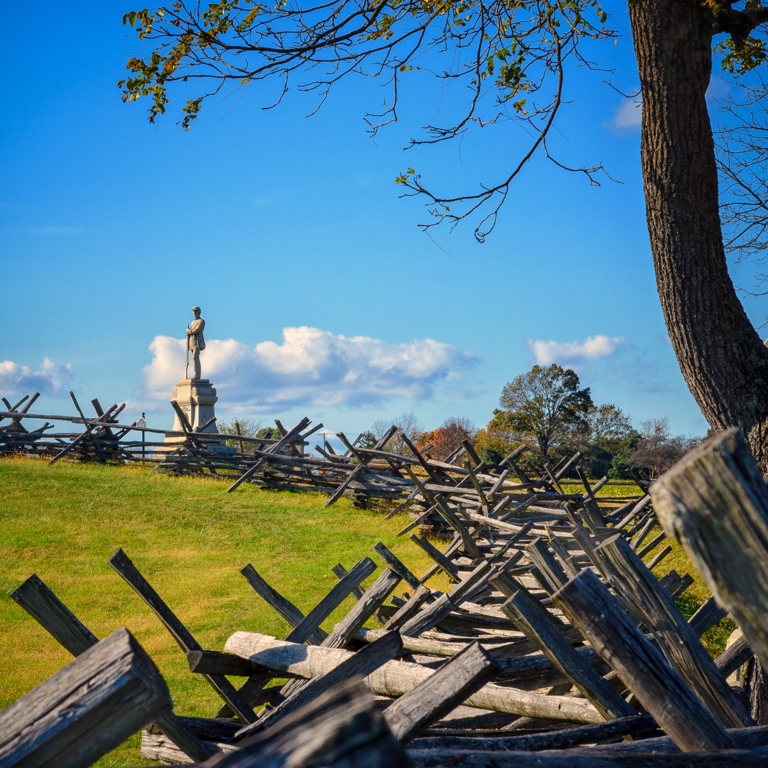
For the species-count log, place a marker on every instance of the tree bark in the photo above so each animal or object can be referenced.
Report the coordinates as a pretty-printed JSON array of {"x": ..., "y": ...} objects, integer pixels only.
[
  {"x": 758, "y": 693},
  {"x": 720, "y": 354}
]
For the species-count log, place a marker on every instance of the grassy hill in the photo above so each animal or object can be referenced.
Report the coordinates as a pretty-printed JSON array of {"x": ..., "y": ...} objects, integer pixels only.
[{"x": 189, "y": 538}]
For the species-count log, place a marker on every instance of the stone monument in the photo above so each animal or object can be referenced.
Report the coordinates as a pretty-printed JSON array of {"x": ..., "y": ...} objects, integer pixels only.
[
  {"x": 195, "y": 342},
  {"x": 196, "y": 396}
]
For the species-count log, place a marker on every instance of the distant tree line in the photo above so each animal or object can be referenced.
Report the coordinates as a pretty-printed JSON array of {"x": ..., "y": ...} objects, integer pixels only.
[
  {"x": 545, "y": 409},
  {"x": 548, "y": 411}
]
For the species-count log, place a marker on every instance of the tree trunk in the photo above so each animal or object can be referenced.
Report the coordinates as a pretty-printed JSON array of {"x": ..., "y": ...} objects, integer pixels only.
[
  {"x": 718, "y": 349},
  {"x": 758, "y": 693}
]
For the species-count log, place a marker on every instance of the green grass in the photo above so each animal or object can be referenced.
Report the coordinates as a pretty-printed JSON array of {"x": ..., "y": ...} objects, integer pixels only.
[
  {"x": 614, "y": 491},
  {"x": 190, "y": 539}
]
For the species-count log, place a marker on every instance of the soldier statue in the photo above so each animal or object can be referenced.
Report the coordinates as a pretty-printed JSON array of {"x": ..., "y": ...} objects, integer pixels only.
[{"x": 195, "y": 342}]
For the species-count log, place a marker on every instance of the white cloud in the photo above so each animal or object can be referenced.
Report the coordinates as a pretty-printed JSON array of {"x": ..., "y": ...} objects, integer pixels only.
[
  {"x": 51, "y": 379},
  {"x": 309, "y": 367},
  {"x": 629, "y": 115},
  {"x": 592, "y": 348}
]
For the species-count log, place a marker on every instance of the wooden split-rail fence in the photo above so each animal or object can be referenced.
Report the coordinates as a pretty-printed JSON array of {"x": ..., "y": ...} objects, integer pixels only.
[
  {"x": 101, "y": 438},
  {"x": 556, "y": 645},
  {"x": 436, "y": 493}
]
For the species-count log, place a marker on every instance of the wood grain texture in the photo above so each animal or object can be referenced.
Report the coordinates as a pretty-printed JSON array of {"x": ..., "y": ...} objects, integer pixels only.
[
  {"x": 549, "y": 567},
  {"x": 732, "y": 658},
  {"x": 281, "y": 604},
  {"x": 585, "y": 758},
  {"x": 677, "y": 639},
  {"x": 341, "y": 728},
  {"x": 561, "y": 738},
  {"x": 183, "y": 637},
  {"x": 306, "y": 629},
  {"x": 86, "y": 709},
  {"x": 440, "y": 693},
  {"x": 43, "y": 605},
  {"x": 440, "y": 559},
  {"x": 743, "y": 738},
  {"x": 35, "y": 597},
  {"x": 409, "y": 608},
  {"x": 363, "y": 609},
  {"x": 428, "y": 617},
  {"x": 715, "y": 503},
  {"x": 475, "y": 580},
  {"x": 532, "y": 619},
  {"x": 396, "y": 678},
  {"x": 158, "y": 747},
  {"x": 706, "y": 616},
  {"x": 339, "y": 571},
  {"x": 523, "y": 667},
  {"x": 589, "y": 605},
  {"x": 396, "y": 565},
  {"x": 360, "y": 664},
  {"x": 337, "y": 594}
]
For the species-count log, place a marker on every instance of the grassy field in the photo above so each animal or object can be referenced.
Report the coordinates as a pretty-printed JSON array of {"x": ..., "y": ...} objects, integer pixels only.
[{"x": 190, "y": 539}]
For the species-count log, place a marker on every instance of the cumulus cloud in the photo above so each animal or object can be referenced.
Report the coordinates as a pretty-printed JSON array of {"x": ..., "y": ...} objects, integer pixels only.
[
  {"x": 629, "y": 115},
  {"x": 592, "y": 348},
  {"x": 312, "y": 367},
  {"x": 51, "y": 378}
]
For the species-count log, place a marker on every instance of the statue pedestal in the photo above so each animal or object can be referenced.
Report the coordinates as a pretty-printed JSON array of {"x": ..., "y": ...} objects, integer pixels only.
[{"x": 196, "y": 398}]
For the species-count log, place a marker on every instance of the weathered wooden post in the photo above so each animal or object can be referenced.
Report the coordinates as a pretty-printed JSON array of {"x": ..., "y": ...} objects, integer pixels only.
[
  {"x": 715, "y": 503},
  {"x": 589, "y": 605},
  {"x": 86, "y": 709}
]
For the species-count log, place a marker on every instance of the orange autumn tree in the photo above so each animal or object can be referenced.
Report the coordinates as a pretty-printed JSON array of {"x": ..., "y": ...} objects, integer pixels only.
[{"x": 447, "y": 439}]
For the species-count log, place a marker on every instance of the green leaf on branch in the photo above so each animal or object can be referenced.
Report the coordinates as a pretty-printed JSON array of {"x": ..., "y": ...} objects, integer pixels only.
[{"x": 741, "y": 56}]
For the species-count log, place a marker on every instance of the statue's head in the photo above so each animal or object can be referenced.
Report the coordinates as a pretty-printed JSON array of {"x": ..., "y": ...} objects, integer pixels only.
[{"x": 196, "y": 311}]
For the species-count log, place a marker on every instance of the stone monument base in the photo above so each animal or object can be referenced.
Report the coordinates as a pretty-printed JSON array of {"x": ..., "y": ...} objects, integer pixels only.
[{"x": 196, "y": 399}]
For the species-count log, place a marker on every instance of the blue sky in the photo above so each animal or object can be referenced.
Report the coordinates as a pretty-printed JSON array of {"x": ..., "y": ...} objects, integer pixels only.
[{"x": 321, "y": 295}]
